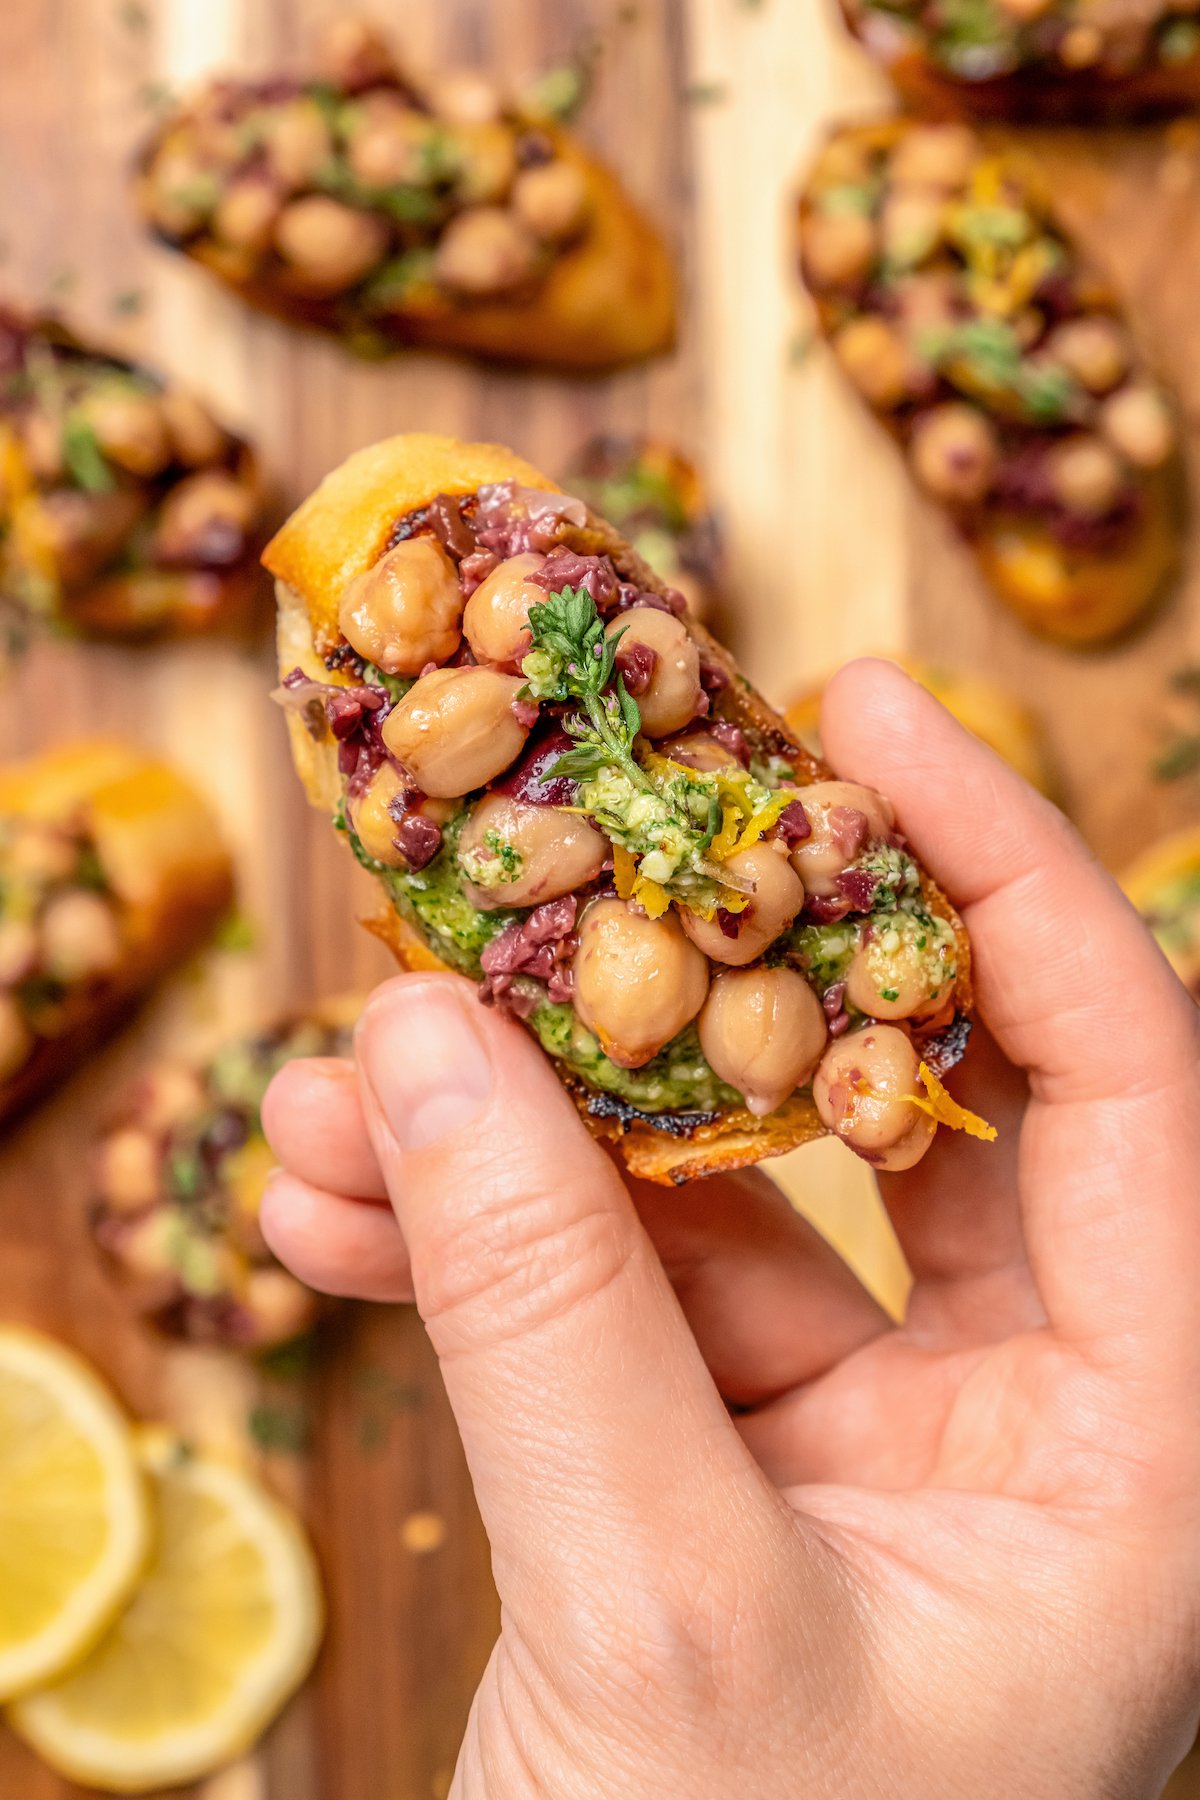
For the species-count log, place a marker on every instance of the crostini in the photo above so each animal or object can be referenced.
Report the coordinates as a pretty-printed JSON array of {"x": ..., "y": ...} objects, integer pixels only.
[
  {"x": 999, "y": 360},
  {"x": 126, "y": 510},
  {"x": 112, "y": 870},
  {"x": 1047, "y": 61},
  {"x": 395, "y": 213},
  {"x": 571, "y": 796},
  {"x": 178, "y": 1178}
]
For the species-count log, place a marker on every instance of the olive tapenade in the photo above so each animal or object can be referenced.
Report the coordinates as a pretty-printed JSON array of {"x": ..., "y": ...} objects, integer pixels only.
[
  {"x": 1055, "y": 61},
  {"x": 572, "y": 797},
  {"x": 126, "y": 510},
  {"x": 111, "y": 871},
  {"x": 393, "y": 213},
  {"x": 1000, "y": 361},
  {"x": 177, "y": 1182}
]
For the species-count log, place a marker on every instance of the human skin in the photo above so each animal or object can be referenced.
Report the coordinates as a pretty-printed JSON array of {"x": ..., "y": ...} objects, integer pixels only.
[{"x": 752, "y": 1539}]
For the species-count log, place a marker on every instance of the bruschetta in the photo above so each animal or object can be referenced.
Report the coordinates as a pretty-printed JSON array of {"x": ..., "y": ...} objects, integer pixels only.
[
  {"x": 126, "y": 510},
  {"x": 178, "y": 1178},
  {"x": 960, "y": 311},
  {"x": 112, "y": 870},
  {"x": 394, "y": 213},
  {"x": 570, "y": 795},
  {"x": 1164, "y": 885}
]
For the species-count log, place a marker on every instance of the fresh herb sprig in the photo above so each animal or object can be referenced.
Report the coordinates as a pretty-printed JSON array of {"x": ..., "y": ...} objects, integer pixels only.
[{"x": 573, "y": 659}]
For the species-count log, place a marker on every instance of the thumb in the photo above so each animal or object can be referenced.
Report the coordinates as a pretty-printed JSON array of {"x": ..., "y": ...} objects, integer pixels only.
[{"x": 595, "y": 1437}]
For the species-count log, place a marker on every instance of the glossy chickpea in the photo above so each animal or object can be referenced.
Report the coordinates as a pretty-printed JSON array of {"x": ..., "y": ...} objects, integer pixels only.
[
  {"x": 81, "y": 938},
  {"x": 455, "y": 729},
  {"x": 329, "y": 246},
  {"x": 844, "y": 819},
  {"x": 373, "y": 823},
  {"x": 763, "y": 1031},
  {"x": 389, "y": 146},
  {"x": 16, "y": 1039},
  {"x": 246, "y": 213},
  {"x": 496, "y": 619},
  {"x": 485, "y": 250},
  {"x": 181, "y": 191},
  {"x": 206, "y": 518},
  {"x": 552, "y": 200},
  {"x": 904, "y": 970},
  {"x": 875, "y": 358},
  {"x": 673, "y": 695},
  {"x": 1094, "y": 349},
  {"x": 839, "y": 249},
  {"x": 519, "y": 855},
  {"x": 81, "y": 532},
  {"x": 845, "y": 161},
  {"x": 939, "y": 156},
  {"x": 128, "y": 1170},
  {"x": 1137, "y": 422},
  {"x": 638, "y": 981},
  {"x": 862, "y": 1088},
  {"x": 149, "y": 1248},
  {"x": 955, "y": 452},
  {"x": 911, "y": 226},
  {"x": 297, "y": 142},
  {"x": 1081, "y": 46},
  {"x": 167, "y": 1095},
  {"x": 406, "y": 610},
  {"x": 196, "y": 438},
  {"x": 18, "y": 950},
  {"x": 465, "y": 97},
  {"x": 278, "y": 1306},
  {"x": 487, "y": 163},
  {"x": 130, "y": 428},
  {"x": 700, "y": 750},
  {"x": 777, "y": 898},
  {"x": 1085, "y": 476}
]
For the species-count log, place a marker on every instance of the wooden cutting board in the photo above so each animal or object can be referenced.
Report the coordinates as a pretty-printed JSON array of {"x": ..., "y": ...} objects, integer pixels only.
[{"x": 709, "y": 110}]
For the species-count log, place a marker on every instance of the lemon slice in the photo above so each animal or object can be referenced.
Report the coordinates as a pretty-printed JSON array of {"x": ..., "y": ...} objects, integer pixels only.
[
  {"x": 73, "y": 1515},
  {"x": 222, "y": 1628}
]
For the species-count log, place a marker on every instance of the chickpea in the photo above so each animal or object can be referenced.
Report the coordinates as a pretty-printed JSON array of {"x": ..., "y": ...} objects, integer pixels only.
[
  {"x": 1085, "y": 476},
  {"x": 40, "y": 852},
  {"x": 372, "y": 822},
  {"x": 182, "y": 192},
  {"x": 1081, "y": 46},
  {"x": 911, "y": 226},
  {"x": 297, "y": 142},
  {"x": 519, "y": 855},
  {"x": 149, "y": 1248},
  {"x": 81, "y": 938},
  {"x": 18, "y": 950},
  {"x": 356, "y": 54},
  {"x": 168, "y": 1095},
  {"x": 777, "y": 898},
  {"x": 839, "y": 249},
  {"x": 638, "y": 981},
  {"x": 552, "y": 200},
  {"x": 82, "y": 532},
  {"x": 939, "y": 156},
  {"x": 762, "y": 1031},
  {"x": 466, "y": 97},
  {"x": 862, "y": 1088},
  {"x": 674, "y": 695},
  {"x": 195, "y": 436},
  {"x": 406, "y": 610},
  {"x": 1137, "y": 422},
  {"x": 129, "y": 426},
  {"x": 904, "y": 970},
  {"x": 246, "y": 213},
  {"x": 279, "y": 1306},
  {"x": 389, "y": 147},
  {"x": 844, "y": 818},
  {"x": 128, "y": 1170},
  {"x": 1094, "y": 349},
  {"x": 955, "y": 452},
  {"x": 496, "y": 620},
  {"x": 875, "y": 357},
  {"x": 329, "y": 246},
  {"x": 16, "y": 1039},
  {"x": 206, "y": 518},
  {"x": 842, "y": 162},
  {"x": 700, "y": 750},
  {"x": 487, "y": 163},
  {"x": 455, "y": 729},
  {"x": 484, "y": 250}
]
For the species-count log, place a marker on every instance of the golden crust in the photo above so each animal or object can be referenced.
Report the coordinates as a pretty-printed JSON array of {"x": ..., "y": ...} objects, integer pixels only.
[
  {"x": 340, "y": 531},
  {"x": 608, "y": 300},
  {"x": 162, "y": 854}
]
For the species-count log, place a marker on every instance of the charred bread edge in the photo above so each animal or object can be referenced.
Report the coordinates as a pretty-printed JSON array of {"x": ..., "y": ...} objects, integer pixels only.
[{"x": 342, "y": 529}]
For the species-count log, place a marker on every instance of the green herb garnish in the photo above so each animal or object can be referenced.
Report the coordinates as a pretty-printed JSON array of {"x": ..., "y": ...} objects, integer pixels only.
[{"x": 84, "y": 457}]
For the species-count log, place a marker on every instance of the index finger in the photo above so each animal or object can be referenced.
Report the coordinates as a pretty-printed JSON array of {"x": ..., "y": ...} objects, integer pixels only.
[{"x": 1074, "y": 990}]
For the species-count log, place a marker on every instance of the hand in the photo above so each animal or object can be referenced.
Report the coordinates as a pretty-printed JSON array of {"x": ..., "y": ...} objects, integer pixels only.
[{"x": 955, "y": 1556}]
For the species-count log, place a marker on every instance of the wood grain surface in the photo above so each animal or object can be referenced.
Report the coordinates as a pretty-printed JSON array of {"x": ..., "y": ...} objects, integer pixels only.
[{"x": 709, "y": 110}]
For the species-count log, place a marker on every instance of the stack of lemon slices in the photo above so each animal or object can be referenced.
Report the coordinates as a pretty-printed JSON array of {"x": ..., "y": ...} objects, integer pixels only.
[{"x": 156, "y": 1607}]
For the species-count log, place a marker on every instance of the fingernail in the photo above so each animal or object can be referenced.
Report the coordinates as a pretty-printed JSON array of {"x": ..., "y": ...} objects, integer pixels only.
[{"x": 424, "y": 1063}]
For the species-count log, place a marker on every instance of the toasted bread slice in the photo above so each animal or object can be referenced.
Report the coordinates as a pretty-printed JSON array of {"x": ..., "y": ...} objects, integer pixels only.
[{"x": 339, "y": 533}]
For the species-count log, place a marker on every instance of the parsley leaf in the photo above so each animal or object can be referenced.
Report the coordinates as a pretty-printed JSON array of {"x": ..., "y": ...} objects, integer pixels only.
[{"x": 84, "y": 457}]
